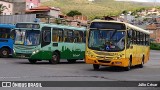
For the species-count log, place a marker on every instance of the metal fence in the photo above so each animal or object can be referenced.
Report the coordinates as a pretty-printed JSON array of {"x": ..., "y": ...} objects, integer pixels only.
[{"x": 13, "y": 19}]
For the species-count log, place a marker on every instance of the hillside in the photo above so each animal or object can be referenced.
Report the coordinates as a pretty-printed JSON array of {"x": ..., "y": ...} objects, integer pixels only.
[{"x": 92, "y": 9}]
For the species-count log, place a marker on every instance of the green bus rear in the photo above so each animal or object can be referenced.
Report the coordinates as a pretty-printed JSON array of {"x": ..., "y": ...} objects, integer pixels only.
[{"x": 40, "y": 41}]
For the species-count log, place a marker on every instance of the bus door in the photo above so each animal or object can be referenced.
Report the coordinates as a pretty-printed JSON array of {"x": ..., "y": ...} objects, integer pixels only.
[
  {"x": 131, "y": 46},
  {"x": 45, "y": 43}
]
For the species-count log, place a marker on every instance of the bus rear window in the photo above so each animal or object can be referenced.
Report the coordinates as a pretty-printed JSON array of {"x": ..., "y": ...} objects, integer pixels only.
[
  {"x": 4, "y": 33},
  {"x": 108, "y": 25}
]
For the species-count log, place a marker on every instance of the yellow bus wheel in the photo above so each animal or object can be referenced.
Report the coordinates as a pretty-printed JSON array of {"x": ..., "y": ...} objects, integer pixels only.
[
  {"x": 96, "y": 66},
  {"x": 129, "y": 65},
  {"x": 142, "y": 62}
]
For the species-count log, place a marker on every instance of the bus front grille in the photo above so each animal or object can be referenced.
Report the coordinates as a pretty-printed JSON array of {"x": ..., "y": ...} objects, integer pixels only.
[
  {"x": 104, "y": 61},
  {"x": 21, "y": 55},
  {"x": 24, "y": 47}
]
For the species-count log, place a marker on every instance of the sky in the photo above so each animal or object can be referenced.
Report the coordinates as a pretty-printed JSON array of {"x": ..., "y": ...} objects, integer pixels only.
[{"x": 141, "y": 0}]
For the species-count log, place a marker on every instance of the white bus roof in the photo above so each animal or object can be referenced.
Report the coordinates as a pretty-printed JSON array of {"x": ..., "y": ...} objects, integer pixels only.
[{"x": 127, "y": 25}]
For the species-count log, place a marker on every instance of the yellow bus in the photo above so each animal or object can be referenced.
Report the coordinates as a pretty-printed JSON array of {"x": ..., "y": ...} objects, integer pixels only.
[{"x": 115, "y": 43}]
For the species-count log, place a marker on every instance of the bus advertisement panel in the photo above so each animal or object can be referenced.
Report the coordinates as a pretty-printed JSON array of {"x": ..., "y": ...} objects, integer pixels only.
[{"x": 114, "y": 43}]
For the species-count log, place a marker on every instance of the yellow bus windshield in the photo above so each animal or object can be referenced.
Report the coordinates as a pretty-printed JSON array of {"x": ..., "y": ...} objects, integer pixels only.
[{"x": 107, "y": 40}]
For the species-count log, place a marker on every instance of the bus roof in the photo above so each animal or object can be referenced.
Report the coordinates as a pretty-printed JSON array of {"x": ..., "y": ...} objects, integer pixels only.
[
  {"x": 64, "y": 26},
  {"x": 7, "y": 26},
  {"x": 42, "y": 24},
  {"x": 127, "y": 24}
]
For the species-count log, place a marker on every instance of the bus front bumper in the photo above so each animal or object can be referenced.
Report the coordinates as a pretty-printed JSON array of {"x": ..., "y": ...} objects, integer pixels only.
[
  {"x": 21, "y": 55},
  {"x": 122, "y": 62}
]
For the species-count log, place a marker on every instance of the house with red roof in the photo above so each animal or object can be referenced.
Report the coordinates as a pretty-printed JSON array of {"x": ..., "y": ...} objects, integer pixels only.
[{"x": 45, "y": 11}]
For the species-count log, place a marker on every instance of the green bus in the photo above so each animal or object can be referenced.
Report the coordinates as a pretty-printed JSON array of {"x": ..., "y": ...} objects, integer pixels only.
[{"x": 52, "y": 42}]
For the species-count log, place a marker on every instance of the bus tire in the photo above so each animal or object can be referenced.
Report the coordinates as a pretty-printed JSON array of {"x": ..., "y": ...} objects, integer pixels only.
[
  {"x": 55, "y": 58},
  {"x": 129, "y": 65},
  {"x": 96, "y": 66},
  {"x": 71, "y": 60},
  {"x": 32, "y": 61},
  {"x": 142, "y": 63},
  {"x": 4, "y": 52}
]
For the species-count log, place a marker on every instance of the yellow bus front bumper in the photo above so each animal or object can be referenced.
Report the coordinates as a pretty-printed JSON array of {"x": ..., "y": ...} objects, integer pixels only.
[{"x": 122, "y": 62}]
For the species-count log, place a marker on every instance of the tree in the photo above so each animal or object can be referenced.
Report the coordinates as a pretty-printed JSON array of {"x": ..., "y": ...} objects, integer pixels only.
[
  {"x": 73, "y": 13},
  {"x": 2, "y": 8},
  {"x": 125, "y": 12}
]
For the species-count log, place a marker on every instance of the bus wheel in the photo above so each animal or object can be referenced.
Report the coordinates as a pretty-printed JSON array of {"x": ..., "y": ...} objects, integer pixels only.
[
  {"x": 4, "y": 52},
  {"x": 96, "y": 66},
  {"x": 142, "y": 62},
  {"x": 71, "y": 60},
  {"x": 55, "y": 58},
  {"x": 129, "y": 65},
  {"x": 32, "y": 61}
]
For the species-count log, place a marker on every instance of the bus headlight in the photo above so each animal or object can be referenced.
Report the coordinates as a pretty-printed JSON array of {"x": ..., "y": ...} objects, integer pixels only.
[
  {"x": 14, "y": 51},
  {"x": 119, "y": 56},
  {"x": 90, "y": 54},
  {"x": 36, "y": 51}
]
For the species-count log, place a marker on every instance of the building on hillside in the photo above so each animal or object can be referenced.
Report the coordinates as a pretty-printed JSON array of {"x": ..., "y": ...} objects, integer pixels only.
[
  {"x": 154, "y": 29},
  {"x": 153, "y": 11},
  {"x": 32, "y": 4},
  {"x": 19, "y": 6},
  {"x": 54, "y": 15},
  {"x": 9, "y": 7},
  {"x": 47, "y": 14},
  {"x": 128, "y": 18},
  {"x": 78, "y": 20}
]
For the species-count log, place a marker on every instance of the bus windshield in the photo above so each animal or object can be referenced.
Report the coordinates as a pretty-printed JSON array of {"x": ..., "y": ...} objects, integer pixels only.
[
  {"x": 27, "y": 37},
  {"x": 106, "y": 40},
  {"x": 4, "y": 32}
]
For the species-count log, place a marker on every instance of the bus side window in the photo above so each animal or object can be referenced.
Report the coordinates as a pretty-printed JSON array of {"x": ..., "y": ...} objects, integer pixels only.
[
  {"x": 78, "y": 36},
  {"x": 60, "y": 34},
  {"x": 65, "y": 35},
  {"x": 134, "y": 37},
  {"x": 147, "y": 40},
  {"x": 57, "y": 35},
  {"x": 138, "y": 37},
  {"x": 12, "y": 35},
  {"x": 46, "y": 36},
  {"x": 84, "y": 36},
  {"x": 68, "y": 36},
  {"x": 4, "y": 33},
  {"x": 129, "y": 38}
]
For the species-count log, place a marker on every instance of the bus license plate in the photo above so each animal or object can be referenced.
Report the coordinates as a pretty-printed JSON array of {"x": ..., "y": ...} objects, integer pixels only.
[{"x": 22, "y": 56}]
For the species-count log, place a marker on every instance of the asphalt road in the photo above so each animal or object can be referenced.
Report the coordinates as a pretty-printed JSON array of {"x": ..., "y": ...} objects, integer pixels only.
[{"x": 12, "y": 69}]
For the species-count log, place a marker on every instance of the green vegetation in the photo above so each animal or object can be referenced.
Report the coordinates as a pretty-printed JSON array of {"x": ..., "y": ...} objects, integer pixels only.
[
  {"x": 98, "y": 8},
  {"x": 155, "y": 46},
  {"x": 73, "y": 13}
]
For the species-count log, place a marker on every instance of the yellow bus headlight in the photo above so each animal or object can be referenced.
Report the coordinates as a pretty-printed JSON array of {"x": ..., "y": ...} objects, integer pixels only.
[{"x": 90, "y": 54}]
